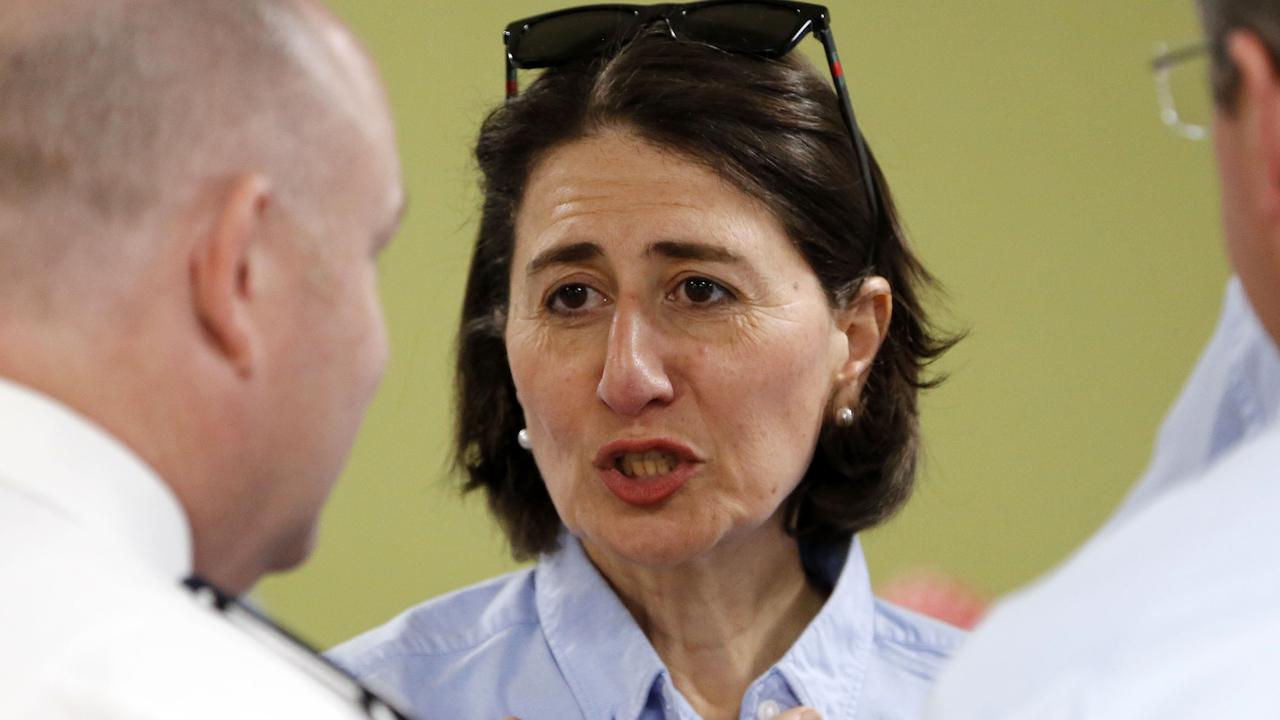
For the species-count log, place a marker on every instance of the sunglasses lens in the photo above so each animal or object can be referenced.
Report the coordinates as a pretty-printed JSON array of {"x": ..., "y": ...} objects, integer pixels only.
[
  {"x": 745, "y": 27},
  {"x": 563, "y": 38}
]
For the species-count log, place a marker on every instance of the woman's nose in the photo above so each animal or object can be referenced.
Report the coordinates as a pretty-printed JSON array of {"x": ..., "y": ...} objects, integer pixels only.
[{"x": 634, "y": 371}]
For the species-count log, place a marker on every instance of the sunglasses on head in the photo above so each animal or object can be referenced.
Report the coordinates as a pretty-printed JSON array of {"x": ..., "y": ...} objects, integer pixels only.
[{"x": 766, "y": 28}]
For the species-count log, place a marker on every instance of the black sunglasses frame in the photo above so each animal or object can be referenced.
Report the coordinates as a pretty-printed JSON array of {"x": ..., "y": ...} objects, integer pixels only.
[{"x": 811, "y": 18}]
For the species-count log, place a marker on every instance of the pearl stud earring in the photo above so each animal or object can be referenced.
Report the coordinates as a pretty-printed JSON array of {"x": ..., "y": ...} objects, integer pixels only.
[
  {"x": 522, "y": 438},
  {"x": 844, "y": 417}
]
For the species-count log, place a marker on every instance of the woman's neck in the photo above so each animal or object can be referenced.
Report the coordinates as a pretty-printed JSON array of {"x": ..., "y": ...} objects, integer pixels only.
[{"x": 719, "y": 621}]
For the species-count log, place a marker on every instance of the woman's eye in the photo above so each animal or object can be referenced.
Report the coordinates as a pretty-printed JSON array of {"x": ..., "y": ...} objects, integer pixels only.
[
  {"x": 573, "y": 298},
  {"x": 701, "y": 291}
]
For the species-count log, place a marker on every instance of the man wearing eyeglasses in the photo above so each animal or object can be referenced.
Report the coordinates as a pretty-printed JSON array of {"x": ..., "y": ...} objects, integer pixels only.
[
  {"x": 192, "y": 198},
  {"x": 1173, "y": 609}
]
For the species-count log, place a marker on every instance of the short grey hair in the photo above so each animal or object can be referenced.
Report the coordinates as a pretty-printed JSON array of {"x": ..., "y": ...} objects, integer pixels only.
[{"x": 113, "y": 111}]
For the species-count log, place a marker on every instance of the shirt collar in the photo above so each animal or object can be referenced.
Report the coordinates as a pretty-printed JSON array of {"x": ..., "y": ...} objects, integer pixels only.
[
  {"x": 603, "y": 655},
  {"x": 828, "y": 663},
  {"x": 1233, "y": 394},
  {"x": 612, "y": 668},
  {"x": 61, "y": 460}
]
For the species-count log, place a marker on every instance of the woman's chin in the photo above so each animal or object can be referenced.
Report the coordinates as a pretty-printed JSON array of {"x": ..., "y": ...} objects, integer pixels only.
[{"x": 651, "y": 544}]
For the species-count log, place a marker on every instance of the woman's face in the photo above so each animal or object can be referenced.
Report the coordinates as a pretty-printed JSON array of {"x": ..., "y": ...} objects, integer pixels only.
[{"x": 671, "y": 350}]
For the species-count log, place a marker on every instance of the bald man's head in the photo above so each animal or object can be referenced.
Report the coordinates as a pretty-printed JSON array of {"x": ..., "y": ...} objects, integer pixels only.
[
  {"x": 118, "y": 113},
  {"x": 193, "y": 195}
]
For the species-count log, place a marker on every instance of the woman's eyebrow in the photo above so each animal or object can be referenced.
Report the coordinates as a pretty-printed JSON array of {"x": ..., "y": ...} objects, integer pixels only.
[
  {"x": 684, "y": 250},
  {"x": 675, "y": 249},
  {"x": 563, "y": 255}
]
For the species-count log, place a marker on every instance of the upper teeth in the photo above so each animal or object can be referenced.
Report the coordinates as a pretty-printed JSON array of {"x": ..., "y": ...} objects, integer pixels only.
[{"x": 654, "y": 462}]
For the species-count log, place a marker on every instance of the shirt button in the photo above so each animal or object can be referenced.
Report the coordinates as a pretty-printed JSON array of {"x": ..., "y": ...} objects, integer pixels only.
[{"x": 768, "y": 710}]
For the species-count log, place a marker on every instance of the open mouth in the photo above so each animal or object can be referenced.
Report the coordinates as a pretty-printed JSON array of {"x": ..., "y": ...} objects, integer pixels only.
[
  {"x": 645, "y": 472},
  {"x": 645, "y": 464}
]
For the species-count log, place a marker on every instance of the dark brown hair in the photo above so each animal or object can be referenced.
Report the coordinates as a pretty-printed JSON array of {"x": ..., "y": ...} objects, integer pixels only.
[
  {"x": 770, "y": 127},
  {"x": 1220, "y": 19}
]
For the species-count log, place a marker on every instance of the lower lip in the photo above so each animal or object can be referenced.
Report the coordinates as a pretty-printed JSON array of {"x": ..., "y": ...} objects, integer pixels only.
[{"x": 647, "y": 491}]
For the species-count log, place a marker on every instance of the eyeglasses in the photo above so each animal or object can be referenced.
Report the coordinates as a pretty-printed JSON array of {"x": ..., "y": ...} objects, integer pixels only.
[
  {"x": 1182, "y": 88},
  {"x": 767, "y": 28}
]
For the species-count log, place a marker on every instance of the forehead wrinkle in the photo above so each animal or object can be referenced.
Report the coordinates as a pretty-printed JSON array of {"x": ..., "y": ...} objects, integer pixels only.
[
  {"x": 599, "y": 204},
  {"x": 712, "y": 242}
]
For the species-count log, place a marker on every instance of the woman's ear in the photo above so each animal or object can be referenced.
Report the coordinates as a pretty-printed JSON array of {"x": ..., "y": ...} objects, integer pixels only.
[
  {"x": 221, "y": 273},
  {"x": 864, "y": 321}
]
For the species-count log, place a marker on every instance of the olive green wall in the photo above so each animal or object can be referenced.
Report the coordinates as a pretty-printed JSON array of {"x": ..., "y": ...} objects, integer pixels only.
[{"x": 1077, "y": 238}]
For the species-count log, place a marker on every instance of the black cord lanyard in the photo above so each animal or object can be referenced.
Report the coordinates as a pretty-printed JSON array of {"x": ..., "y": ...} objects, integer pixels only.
[{"x": 294, "y": 650}]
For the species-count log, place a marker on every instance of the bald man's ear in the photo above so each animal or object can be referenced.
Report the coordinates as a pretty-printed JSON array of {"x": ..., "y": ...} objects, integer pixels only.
[{"x": 221, "y": 271}]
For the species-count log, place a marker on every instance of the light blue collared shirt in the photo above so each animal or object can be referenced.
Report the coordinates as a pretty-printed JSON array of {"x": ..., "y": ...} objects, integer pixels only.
[{"x": 554, "y": 642}]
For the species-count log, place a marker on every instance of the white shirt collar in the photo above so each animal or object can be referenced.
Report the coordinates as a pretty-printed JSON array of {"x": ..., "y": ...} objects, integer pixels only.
[{"x": 57, "y": 458}]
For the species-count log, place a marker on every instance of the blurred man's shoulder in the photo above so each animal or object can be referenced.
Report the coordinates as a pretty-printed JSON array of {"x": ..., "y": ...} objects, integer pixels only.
[
  {"x": 97, "y": 639},
  {"x": 1165, "y": 606}
]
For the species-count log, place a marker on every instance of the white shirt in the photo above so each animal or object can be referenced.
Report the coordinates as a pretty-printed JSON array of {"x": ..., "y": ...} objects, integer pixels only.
[
  {"x": 93, "y": 621},
  {"x": 1173, "y": 609}
]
